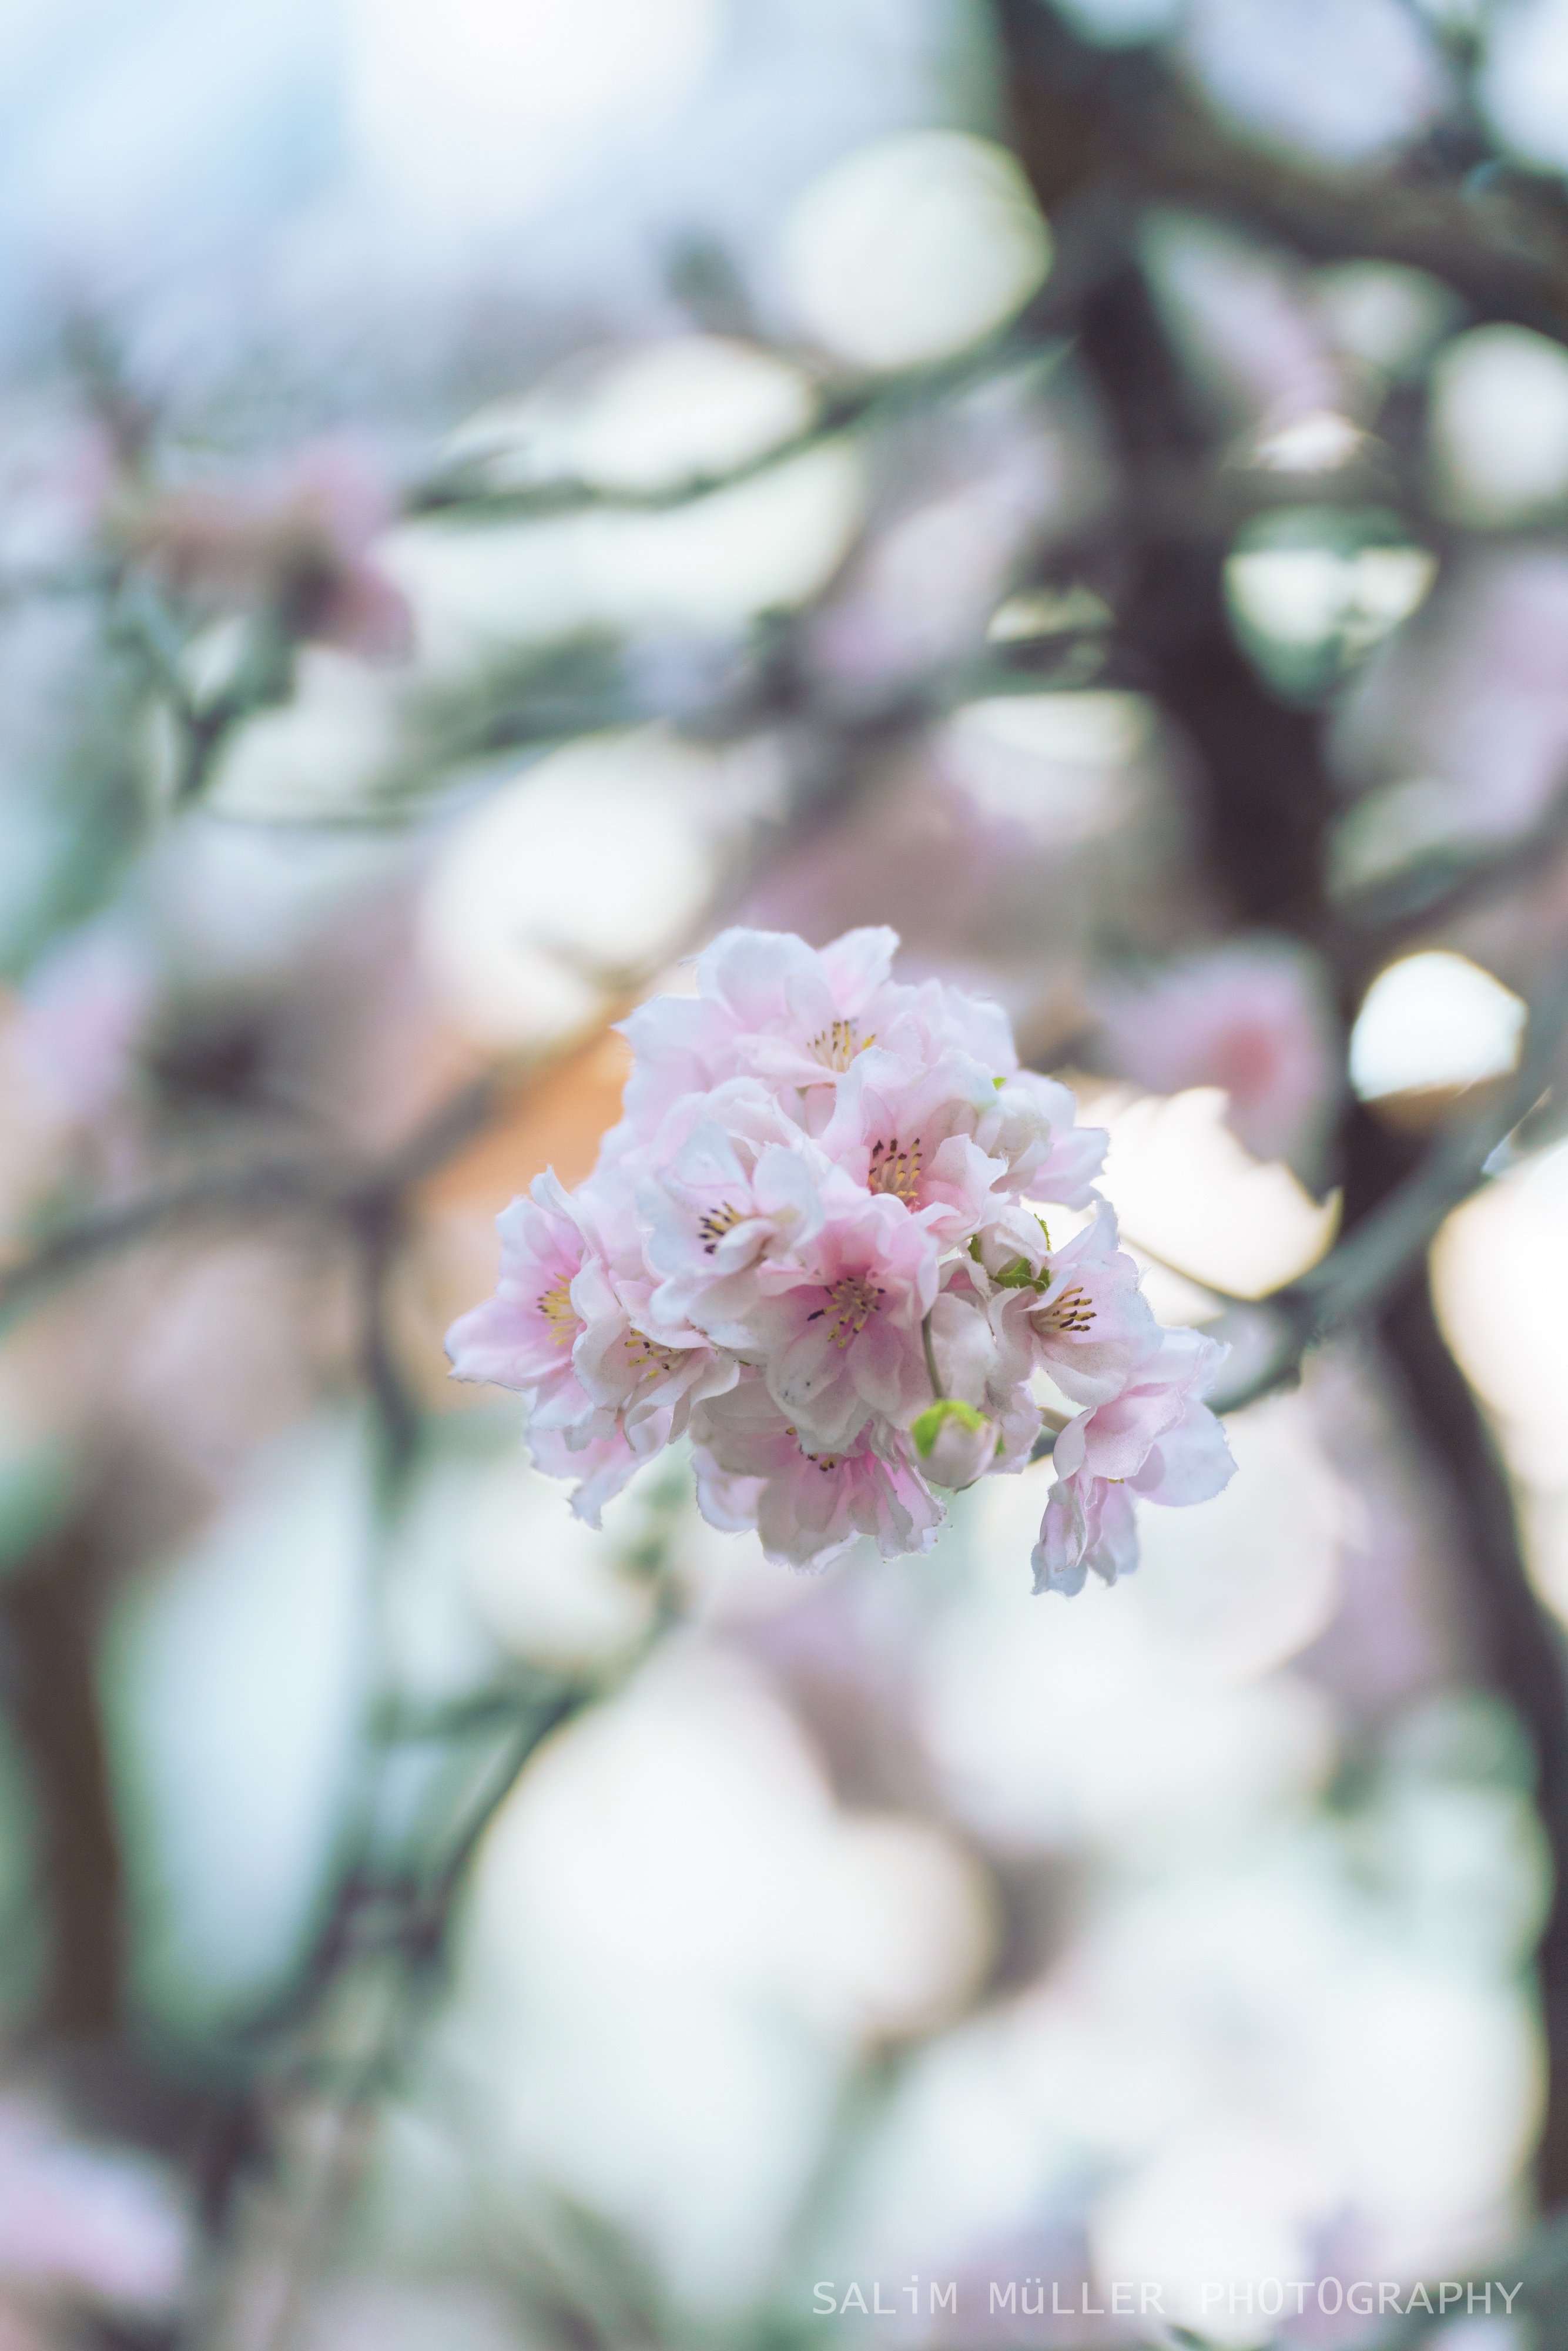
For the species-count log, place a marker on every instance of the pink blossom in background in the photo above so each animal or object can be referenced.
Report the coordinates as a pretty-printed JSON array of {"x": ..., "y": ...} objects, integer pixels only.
[
  {"x": 923, "y": 591},
  {"x": 21, "y": 2330},
  {"x": 299, "y": 543},
  {"x": 103, "y": 2225},
  {"x": 56, "y": 475},
  {"x": 1242, "y": 315},
  {"x": 82, "y": 1009},
  {"x": 1465, "y": 712},
  {"x": 1254, "y": 1019}
]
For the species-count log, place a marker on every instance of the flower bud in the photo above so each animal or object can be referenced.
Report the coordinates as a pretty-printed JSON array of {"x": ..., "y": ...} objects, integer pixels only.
[{"x": 956, "y": 1443}]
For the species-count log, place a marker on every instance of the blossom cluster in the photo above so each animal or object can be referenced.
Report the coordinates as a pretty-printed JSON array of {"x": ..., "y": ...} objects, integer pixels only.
[{"x": 818, "y": 1244}]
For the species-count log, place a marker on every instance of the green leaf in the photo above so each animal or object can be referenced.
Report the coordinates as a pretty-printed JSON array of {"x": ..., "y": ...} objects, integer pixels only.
[{"x": 1020, "y": 1276}]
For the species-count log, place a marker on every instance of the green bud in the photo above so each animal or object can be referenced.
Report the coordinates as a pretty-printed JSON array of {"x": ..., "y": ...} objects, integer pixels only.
[
  {"x": 956, "y": 1443},
  {"x": 928, "y": 1427}
]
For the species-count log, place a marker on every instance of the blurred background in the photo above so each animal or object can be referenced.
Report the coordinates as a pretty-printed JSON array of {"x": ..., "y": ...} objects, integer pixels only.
[{"x": 491, "y": 491}]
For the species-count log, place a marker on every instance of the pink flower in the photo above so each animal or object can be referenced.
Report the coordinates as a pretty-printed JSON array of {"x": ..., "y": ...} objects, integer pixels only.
[
  {"x": 1072, "y": 1156},
  {"x": 913, "y": 1132},
  {"x": 83, "y": 1006},
  {"x": 526, "y": 1336},
  {"x": 811, "y": 1241},
  {"x": 725, "y": 1200},
  {"x": 1089, "y": 1523},
  {"x": 1155, "y": 1433},
  {"x": 1155, "y": 1439},
  {"x": 765, "y": 1004},
  {"x": 1255, "y": 1018},
  {"x": 298, "y": 545},
  {"x": 976, "y": 1369},
  {"x": 769, "y": 1005},
  {"x": 945, "y": 1136},
  {"x": 1077, "y": 1310},
  {"x": 838, "y": 1330},
  {"x": 1473, "y": 702},
  {"x": 753, "y": 1471},
  {"x": 100, "y": 2224},
  {"x": 607, "y": 1387},
  {"x": 942, "y": 1017},
  {"x": 633, "y": 1366},
  {"x": 599, "y": 1465}
]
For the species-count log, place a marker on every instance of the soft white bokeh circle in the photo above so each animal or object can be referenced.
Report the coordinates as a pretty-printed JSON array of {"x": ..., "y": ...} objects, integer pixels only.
[
  {"x": 1500, "y": 425},
  {"x": 506, "y": 67},
  {"x": 651, "y": 418},
  {"x": 914, "y": 248},
  {"x": 588, "y": 864},
  {"x": 1433, "y": 1019}
]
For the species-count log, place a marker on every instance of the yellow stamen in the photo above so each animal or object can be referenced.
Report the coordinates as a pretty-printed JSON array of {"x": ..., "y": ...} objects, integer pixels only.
[
  {"x": 559, "y": 1311},
  {"x": 644, "y": 1355},
  {"x": 896, "y": 1172},
  {"x": 838, "y": 1043},
  {"x": 717, "y": 1223},
  {"x": 855, "y": 1299},
  {"x": 1071, "y": 1311}
]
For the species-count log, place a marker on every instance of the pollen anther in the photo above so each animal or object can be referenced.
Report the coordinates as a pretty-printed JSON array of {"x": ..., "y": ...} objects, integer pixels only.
[
  {"x": 838, "y": 1044},
  {"x": 717, "y": 1223},
  {"x": 894, "y": 1172},
  {"x": 855, "y": 1299},
  {"x": 644, "y": 1355},
  {"x": 1071, "y": 1311},
  {"x": 559, "y": 1311}
]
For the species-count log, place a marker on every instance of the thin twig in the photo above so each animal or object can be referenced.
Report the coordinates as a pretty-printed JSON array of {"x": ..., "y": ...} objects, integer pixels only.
[{"x": 932, "y": 1373}]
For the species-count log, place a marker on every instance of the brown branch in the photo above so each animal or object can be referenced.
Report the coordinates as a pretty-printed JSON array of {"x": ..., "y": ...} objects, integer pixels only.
[
  {"x": 1130, "y": 121},
  {"x": 1442, "y": 887},
  {"x": 839, "y": 408},
  {"x": 1263, "y": 798},
  {"x": 1521, "y": 1646},
  {"x": 48, "y": 1629}
]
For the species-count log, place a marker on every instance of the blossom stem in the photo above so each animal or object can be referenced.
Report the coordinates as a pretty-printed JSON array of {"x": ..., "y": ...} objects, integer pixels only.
[{"x": 937, "y": 1390}]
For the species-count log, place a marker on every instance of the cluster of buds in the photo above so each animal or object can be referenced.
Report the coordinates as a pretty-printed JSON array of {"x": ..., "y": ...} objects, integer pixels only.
[{"x": 818, "y": 1244}]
